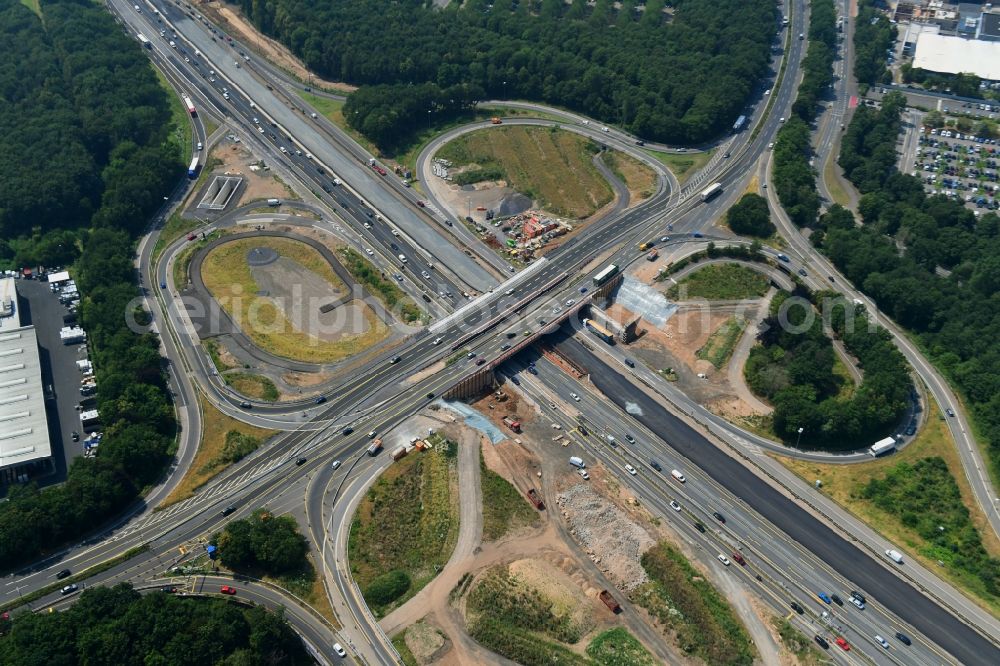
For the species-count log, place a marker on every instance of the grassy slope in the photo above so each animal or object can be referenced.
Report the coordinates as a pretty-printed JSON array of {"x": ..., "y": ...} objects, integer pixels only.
[
  {"x": 215, "y": 426},
  {"x": 720, "y": 345},
  {"x": 617, "y": 647},
  {"x": 504, "y": 508},
  {"x": 551, "y": 166},
  {"x": 408, "y": 522},
  {"x": 683, "y": 165},
  {"x": 720, "y": 282},
  {"x": 842, "y": 483}
]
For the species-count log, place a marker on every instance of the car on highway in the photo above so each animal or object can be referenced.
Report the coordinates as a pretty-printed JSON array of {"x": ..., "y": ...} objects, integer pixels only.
[
  {"x": 723, "y": 559},
  {"x": 69, "y": 589},
  {"x": 570, "y": 303},
  {"x": 903, "y": 638},
  {"x": 824, "y": 597},
  {"x": 837, "y": 600},
  {"x": 471, "y": 354},
  {"x": 504, "y": 347},
  {"x": 881, "y": 641},
  {"x": 348, "y": 430},
  {"x": 339, "y": 649},
  {"x": 480, "y": 361},
  {"x": 372, "y": 433},
  {"x": 399, "y": 278},
  {"x": 395, "y": 359},
  {"x": 629, "y": 438},
  {"x": 674, "y": 505},
  {"x": 843, "y": 644},
  {"x": 719, "y": 517},
  {"x": 63, "y": 574},
  {"x": 335, "y": 465},
  {"x": 368, "y": 225},
  {"x": 226, "y": 589},
  {"x": 802, "y": 272},
  {"x": 631, "y": 470},
  {"x": 820, "y": 641},
  {"x": 245, "y": 405},
  {"x": 75, "y": 436},
  {"x": 857, "y": 595},
  {"x": 438, "y": 341},
  {"x": 797, "y": 608},
  {"x": 655, "y": 465},
  {"x": 320, "y": 399},
  {"x": 395, "y": 233},
  {"x": 575, "y": 397},
  {"x": 700, "y": 527},
  {"x": 370, "y": 252},
  {"x": 228, "y": 511},
  {"x": 168, "y": 589},
  {"x": 427, "y": 276},
  {"x": 738, "y": 558},
  {"x": 630, "y": 363},
  {"x": 420, "y": 203},
  {"x": 911, "y": 430},
  {"x": 192, "y": 236},
  {"x": 857, "y": 602},
  {"x": 950, "y": 412},
  {"x": 300, "y": 461},
  {"x": 583, "y": 290}
]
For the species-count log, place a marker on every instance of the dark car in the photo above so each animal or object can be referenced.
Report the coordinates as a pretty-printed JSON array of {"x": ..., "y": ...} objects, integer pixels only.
[
  {"x": 700, "y": 527},
  {"x": 903, "y": 638},
  {"x": 320, "y": 399},
  {"x": 857, "y": 595},
  {"x": 511, "y": 334},
  {"x": 63, "y": 574},
  {"x": 169, "y": 589},
  {"x": 75, "y": 436},
  {"x": 395, "y": 359},
  {"x": 480, "y": 361},
  {"x": 820, "y": 641},
  {"x": 245, "y": 405},
  {"x": 348, "y": 430},
  {"x": 949, "y": 412},
  {"x": 719, "y": 517},
  {"x": 630, "y": 363},
  {"x": 837, "y": 600},
  {"x": 430, "y": 396},
  {"x": 504, "y": 347},
  {"x": 797, "y": 608},
  {"x": 300, "y": 461},
  {"x": 229, "y": 510},
  {"x": 911, "y": 430},
  {"x": 532, "y": 370},
  {"x": 655, "y": 465}
]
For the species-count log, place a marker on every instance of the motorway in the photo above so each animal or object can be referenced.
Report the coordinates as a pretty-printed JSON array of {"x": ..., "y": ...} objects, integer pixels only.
[{"x": 386, "y": 403}]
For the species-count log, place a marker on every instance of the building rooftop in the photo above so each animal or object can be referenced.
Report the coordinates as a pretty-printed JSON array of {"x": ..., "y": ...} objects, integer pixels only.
[
  {"x": 955, "y": 55},
  {"x": 24, "y": 430},
  {"x": 990, "y": 26}
]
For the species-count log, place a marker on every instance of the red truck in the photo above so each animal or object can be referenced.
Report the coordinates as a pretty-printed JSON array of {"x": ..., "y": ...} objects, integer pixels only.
[
  {"x": 512, "y": 423},
  {"x": 610, "y": 602},
  {"x": 535, "y": 499},
  {"x": 653, "y": 254},
  {"x": 399, "y": 453}
]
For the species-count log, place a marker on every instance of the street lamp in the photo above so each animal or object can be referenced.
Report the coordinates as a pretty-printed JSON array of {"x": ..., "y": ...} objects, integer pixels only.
[{"x": 799, "y": 438}]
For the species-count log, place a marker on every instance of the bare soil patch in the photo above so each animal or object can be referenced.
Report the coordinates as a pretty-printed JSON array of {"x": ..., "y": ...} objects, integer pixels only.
[
  {"x": 426, "y": 642},
  {"x": 235, "y": 159}
]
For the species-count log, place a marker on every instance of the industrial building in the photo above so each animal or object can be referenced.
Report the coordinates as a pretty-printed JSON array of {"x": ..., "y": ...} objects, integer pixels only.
[
  {"x": 25, "y": 447},
  {"x": 957, "y": 55}
]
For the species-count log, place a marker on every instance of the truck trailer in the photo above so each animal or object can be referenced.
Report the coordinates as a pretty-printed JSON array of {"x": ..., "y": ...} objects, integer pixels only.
[
  {"x": 190, "y": 106},
  {"x": 599, "y": 331},
  {"x": 711, "y": 191},
  {"x": 512, "y": 423},
  {"x": 882, "y": 447},
  {"x": 605, "y": 275},
  {"x": 610, "y": 602},
  {"x": 193, "y": 169},
  {"x": 535, "y": 499}
]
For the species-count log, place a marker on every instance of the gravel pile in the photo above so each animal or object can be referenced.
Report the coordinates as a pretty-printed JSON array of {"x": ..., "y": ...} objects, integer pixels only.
[{"x": 612, "y": 540}]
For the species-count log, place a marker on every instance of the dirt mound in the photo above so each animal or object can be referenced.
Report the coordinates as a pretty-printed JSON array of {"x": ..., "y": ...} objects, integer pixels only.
[{"x": 614, "y": 542}]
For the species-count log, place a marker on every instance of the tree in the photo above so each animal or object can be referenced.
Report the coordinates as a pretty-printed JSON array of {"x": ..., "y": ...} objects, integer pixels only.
[
  {"x": 750, "y": 216},
  {"x": 263, "y": 541}
]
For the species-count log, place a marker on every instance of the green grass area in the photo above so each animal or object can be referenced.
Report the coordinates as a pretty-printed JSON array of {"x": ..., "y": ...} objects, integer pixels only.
[
  {"x": 34, "y": 6},
  {"x": 252, "y": 386},
  {"x": 515, "y": 620},
  {"x": 180, "y": 123},
  {"x": 910, "y": 525},
  {"x": 399, "y": 642},
  {"x": 175, "y": 227},
  {"x": 720, "y": 345},
  {"x": 551, "y": 166},
  {"x": 617, "y": 647},
  {"x": 210, "y": 126},
  {"x": 682, "y": 165},
  {"x": 844, "y": 378},
  {"x": 333, "y": 109},
  {"x": 364, "y": 272},
  {"x": 504, "y": 507},
  {"x": 212, "y": 347},
  {"x": 639, "y": 178},
  {"x": 405, "y": 528},
  {"x": 797, "y": 643},
  {"x": 833, "y": 184},
  {"x": 228, "y": 278},
  {"x": 222, "y": 437},
  {"x": 720, "y": 282},
  {"x": 686, "y": 603}
]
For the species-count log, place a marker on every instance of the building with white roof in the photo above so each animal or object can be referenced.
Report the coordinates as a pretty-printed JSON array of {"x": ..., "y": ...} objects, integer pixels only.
[
  {"x": 955, "y": 55},
  {"x": 24, "y": 431}
]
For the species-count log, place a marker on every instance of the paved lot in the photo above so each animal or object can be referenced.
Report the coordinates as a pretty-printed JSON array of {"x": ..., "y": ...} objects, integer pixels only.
[
  {"x": 954, "y": 164},
  {"x": 58, "y": 362}
]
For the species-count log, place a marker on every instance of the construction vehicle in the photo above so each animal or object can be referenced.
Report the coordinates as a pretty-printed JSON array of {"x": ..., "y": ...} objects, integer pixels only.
[
  {"x": 653, "y": 254},
  {"x": 399, "y": 453},
  {"x": 375, "y": 447},
  {"x": 512, "y": 423},
  {"x": 536, "y": 499},
  {"x": 610, "y": 602},
  {"x": 495, "y": 120}
]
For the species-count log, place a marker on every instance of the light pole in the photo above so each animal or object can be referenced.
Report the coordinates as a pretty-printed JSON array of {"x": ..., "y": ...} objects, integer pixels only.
[{"x": 799, "y": 438}]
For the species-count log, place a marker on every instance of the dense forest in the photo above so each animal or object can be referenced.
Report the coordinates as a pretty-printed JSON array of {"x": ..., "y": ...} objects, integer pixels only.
[
  {"x": 873, "y": 36},
  {"x": 263, "y": 543},
  {"x": 750, "y": 216},
  {"x": 927, "y": 261},
  {"x": 794, "y": 367},
  {"x": 89, "y": 124},
  {"x": 678, "y": 71},
  {"x": 119, "y": 626},
  {"x": 794, "y": 179}
]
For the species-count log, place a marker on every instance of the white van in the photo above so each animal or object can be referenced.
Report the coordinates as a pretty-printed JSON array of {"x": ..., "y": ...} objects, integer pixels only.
[
  {"x": 894, "y": 555},
  {"x": 677, "y": 475},
  {"x": 402, "y": 258},
  {"x": 577, "y": 462}
]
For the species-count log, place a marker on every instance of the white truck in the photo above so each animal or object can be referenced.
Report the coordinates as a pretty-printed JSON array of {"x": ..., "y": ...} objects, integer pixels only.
[
  {"x": 577, "y": 462},
  {"x": 882, "y": 446},
  {"x": 894, "y": 555}
]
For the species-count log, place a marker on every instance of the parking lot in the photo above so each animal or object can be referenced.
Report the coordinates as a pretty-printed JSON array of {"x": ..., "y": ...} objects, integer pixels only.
[
  {"x": 60, "y": 374},
  {"x": 957, "y": 165}
]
